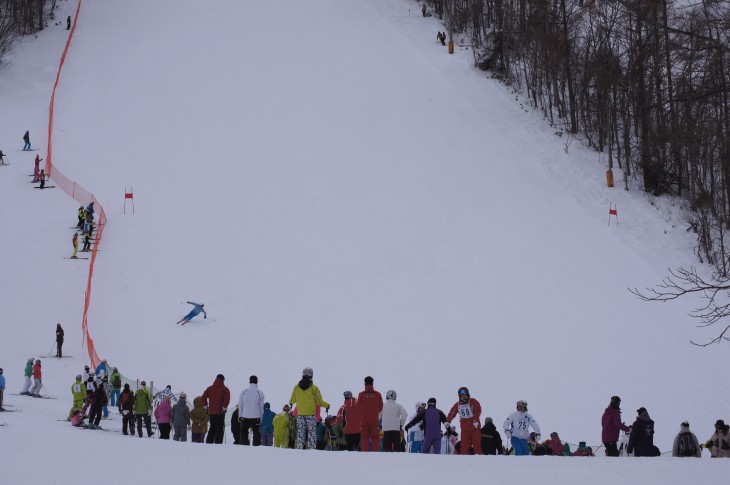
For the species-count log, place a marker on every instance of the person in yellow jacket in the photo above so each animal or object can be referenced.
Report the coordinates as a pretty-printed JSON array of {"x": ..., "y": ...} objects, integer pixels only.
[
  {"x": 307, "y": 397},
  {"x": 281, "y": 428},
  {"x": 78, "y": 389}
]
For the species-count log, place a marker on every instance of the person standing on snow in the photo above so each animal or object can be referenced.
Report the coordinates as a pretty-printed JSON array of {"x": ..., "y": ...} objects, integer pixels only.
[
  {"x": 163, "y": 416},
  {"x": 217, "y": 397},
  {"x": 612, "y": 426},
  {"x": 180, "y": 419},
  {"x": 116, "y": 381},
  {"x": 2, "y": 389},
  {"x": 26, "y": 139},
  {"x": 75, "y": 243},
  {"x": 517, "y": 429},
  {"x": 350, "y": 419},
  {"x": 197, "y": 308},
  {"x": 199, "y": 417},
  {"x": 251, "y": 411},
  {"x": 307, "y": 397},
  {"x": 393, "y": 417},
  {"x": 281, "y": 427},
  {"x": 641, "y": 439},
  {"x": 59, "y": 340},
  {"x": 415, "y": 435},
  {"x": 719, "y": 442},
  {"x": 142, "y": 409},
  {"x": 470, "y": 414},
  {"x": 68, "y": 23},
  {"x": 432, "y": 418},
  {"x": 369, "y": 406},
  {"x": 27, "y": 375},
  {"x": 78, "y": 390},
  {"x": 267, "y": 426},
  {"x": 2, "y": 160},
  {"x": 125, "y": 403},
  {"x": 97, "y": 406},
  {"x": 491, "y": 439},
  {"x": 686, "y": 443},
  {"x": 37, "y": 379}
]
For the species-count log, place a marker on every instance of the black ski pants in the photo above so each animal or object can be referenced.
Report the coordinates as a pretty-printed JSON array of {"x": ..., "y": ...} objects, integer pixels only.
[
  {"x": 353, "y": 441},
  {"x": 253, "y": 424},
  {"x": 611, "y": 448},
  {"x": 217, "y": 427},
  {"x": 59, "y": 344},
  {"x": 95, "y": 415},
  {"x": 147, "y": 422},
  {"x": 164, "y": 430},
  {"x": 391, "y": 441},
  {"x": 128, "y": 422}
]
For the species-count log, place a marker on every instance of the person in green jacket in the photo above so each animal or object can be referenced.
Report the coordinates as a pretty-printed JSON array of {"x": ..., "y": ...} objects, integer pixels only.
[
  {"x": 78, "y": 389},
  {"x": 28, "y": 374},
  {"x": 142, "y": 409},
  {"x": 307, "y": 397},
  {"x": 281, "y": 428},
  {"x": 115, "y": 379}
]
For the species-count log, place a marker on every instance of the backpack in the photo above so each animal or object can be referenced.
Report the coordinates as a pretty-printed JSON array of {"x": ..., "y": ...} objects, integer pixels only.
[
  {"x": 117, "y": 382},
  {"x": 686, "y": 445}
]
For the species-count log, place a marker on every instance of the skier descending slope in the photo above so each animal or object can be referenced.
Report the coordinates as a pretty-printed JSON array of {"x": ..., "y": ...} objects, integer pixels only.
[{"x": 198, "y": 307}]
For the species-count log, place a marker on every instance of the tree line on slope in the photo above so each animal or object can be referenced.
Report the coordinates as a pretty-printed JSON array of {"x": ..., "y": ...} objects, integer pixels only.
[
  {"x": 22, "y": 17},
  {"x": 646, "y": 82}
]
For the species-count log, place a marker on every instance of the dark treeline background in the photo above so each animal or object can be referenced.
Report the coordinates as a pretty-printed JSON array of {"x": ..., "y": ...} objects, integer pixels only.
[
  {"x": 21, "y": 17},
  {"x": 644, "y": 81}
]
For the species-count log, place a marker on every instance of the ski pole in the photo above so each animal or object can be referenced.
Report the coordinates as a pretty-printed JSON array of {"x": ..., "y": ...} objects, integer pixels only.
[{"x": 50, "y": 352}]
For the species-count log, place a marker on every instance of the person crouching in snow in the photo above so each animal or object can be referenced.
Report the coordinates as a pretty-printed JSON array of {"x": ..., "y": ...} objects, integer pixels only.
[{"x": 197, "y": 308}]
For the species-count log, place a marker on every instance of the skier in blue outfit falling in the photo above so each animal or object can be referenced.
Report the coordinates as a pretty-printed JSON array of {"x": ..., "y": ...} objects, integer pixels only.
[{"x": 194, "y": 312}]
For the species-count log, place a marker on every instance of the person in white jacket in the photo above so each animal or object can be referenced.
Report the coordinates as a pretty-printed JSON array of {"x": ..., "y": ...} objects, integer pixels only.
[
  {"x": 517, "y": 429},
  {"x": 392, "y": 419},
  {"x": 415, "y": 435},
  {"x": 250, "y": 411}
]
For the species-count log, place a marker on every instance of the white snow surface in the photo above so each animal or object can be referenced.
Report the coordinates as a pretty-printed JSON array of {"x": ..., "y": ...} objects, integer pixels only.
[{"x": 344, "y": 195}]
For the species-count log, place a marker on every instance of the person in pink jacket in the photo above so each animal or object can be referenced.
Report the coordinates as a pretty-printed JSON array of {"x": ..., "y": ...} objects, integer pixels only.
[{"x": 163, "y": 416}]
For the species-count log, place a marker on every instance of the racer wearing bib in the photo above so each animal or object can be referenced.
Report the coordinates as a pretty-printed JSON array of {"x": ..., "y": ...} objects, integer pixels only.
[{"x": 470, "y": 412}]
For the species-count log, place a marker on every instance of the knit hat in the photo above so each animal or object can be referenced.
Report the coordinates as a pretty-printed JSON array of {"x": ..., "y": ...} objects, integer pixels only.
[
  {"x": 369, "y": 381},
  {"x": 685, "y": 424},
  {"x": 641, "y": 411},
  {"x": 432, "y": 401},
  {"x": 488, "y": 420},
  {"x": 719, "y": 423},
  {"x": 554, "y": 434},
  {"x": 126, "y": 386},
  {"x": 253, "y": 380},
  {"x": 220, "y": 376},
  {"x": 30, "y": 359},
  {"x": 143, "y": 383}
]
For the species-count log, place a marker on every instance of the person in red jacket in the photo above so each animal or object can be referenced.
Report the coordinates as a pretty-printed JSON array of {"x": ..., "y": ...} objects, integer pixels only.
[
  {"x": 347, "y": 415},
  {"x": 216, "y": 399},
  {"x": 37, "y": 379},
  {"x": 470, "y": 412},
  {"x": 369, "y": 404},
  {"x": 612, "y": 426}
]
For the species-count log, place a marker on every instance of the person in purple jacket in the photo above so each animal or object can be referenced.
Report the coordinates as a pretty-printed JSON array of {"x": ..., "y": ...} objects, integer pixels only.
[
  {"x": 612, "y": 425},
  {"x": 432, "y": 418}
]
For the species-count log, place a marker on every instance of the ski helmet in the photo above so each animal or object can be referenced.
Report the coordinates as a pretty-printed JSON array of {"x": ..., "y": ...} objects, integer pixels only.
[
  {"x": 615, "y": 402},
  {"x": 347, "y": 394},
  {"x": 419, "y": 405},
  {"x": 78, "y": 377},
  {"x": 308, "y": 372},
  {"x": 432, "y": 401},
  {"x": 522, "y": 402},
  {"x": 464, "y": 391},
  {"x": 391, "y": 395}
]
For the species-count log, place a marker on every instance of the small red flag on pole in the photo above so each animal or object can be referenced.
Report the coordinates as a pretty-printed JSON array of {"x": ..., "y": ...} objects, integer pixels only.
[
  {"x": 612, "y": 212},
  {"x": 128, "y": 195}
]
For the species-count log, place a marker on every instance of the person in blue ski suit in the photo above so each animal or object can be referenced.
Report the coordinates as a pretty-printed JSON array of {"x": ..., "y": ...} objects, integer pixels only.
[
  {"x": 198, "y": 307},
  {"x": 2, "y": 389}
]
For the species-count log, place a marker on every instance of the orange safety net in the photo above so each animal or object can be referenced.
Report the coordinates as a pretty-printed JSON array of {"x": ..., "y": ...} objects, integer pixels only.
[{"x": 80, "y": 194}]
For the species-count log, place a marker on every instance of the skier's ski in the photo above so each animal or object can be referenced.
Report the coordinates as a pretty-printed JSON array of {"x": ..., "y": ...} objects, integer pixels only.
[
  {"x": 71, "y": 257},
  {"x": 46, "y": 187},
  {"x": 3, "y": 424},
  {"x": 44, "y": 397}
]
